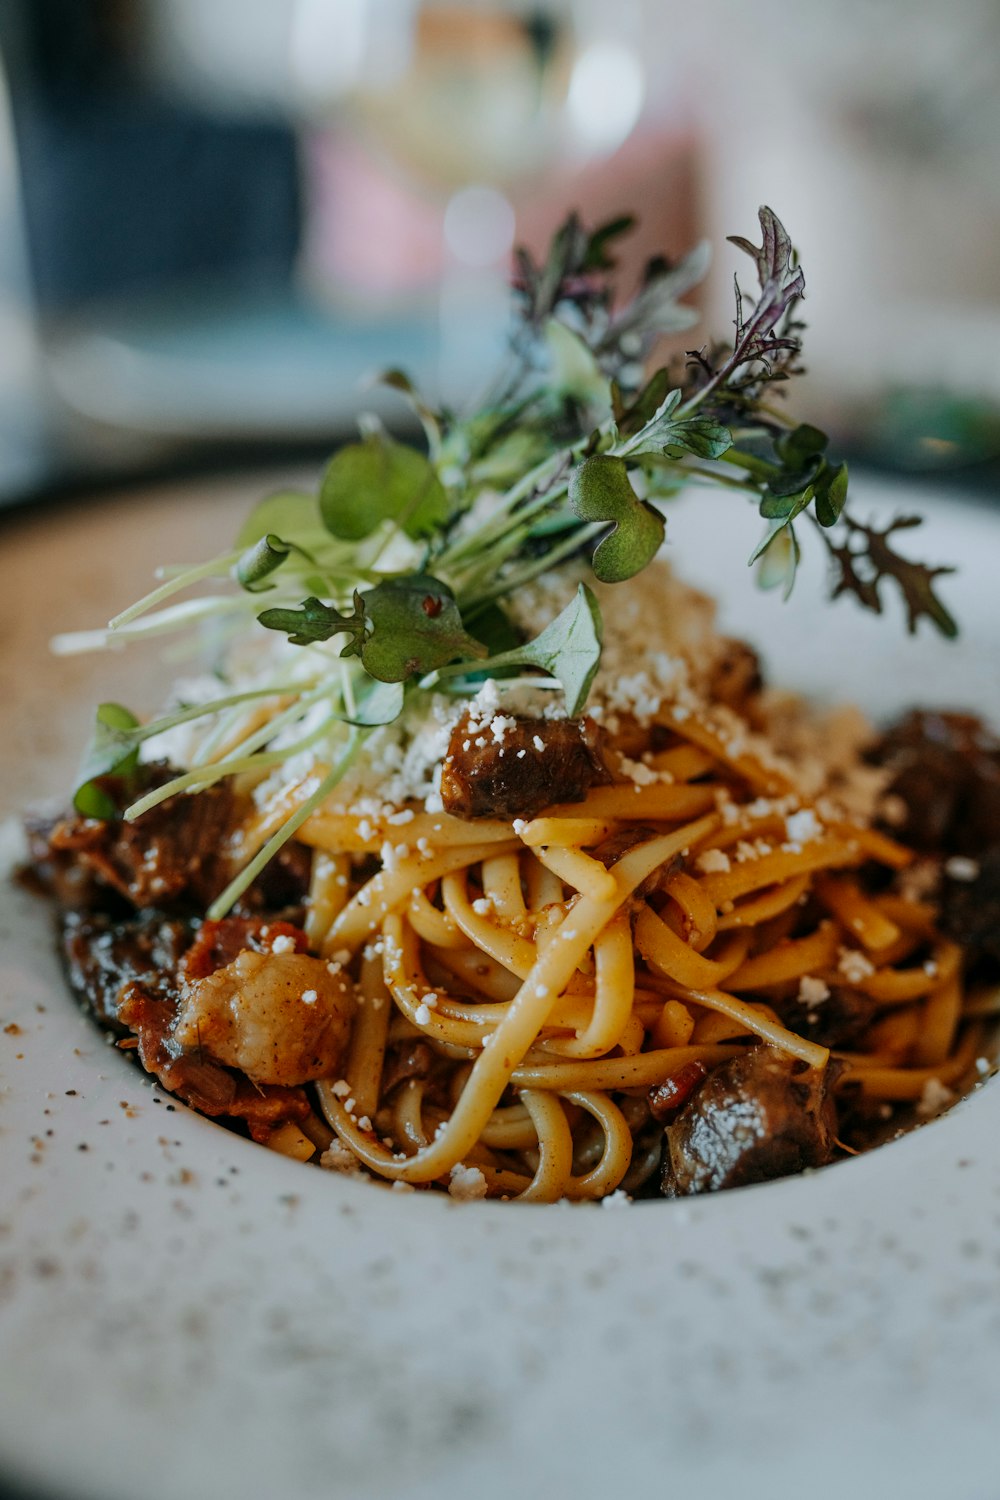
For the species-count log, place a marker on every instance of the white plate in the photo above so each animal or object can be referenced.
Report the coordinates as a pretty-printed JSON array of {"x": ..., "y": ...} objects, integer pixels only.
[{"x": 182, "y": 1313}]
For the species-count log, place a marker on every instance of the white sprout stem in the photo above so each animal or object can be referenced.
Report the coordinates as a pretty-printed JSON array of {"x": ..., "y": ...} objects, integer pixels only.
[
  {"x": 174, "y": 617},
  {"x": 203, "y": 776},
  {"x": 287, "y": 716},
  {"x": 218, "y": 567},
  {"x": 234, "y": 890},
  {"x": 217, "y": 705},
  {"x": 573, "y": 543}
]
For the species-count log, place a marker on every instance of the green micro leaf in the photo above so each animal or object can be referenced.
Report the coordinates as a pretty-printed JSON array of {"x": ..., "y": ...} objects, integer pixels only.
[
  {"x": 831, "y": 495},
  {"x": 801, "y": 444},
  {"x": 315, "y": 621},
  {"x": 380, "y": 480},
  {"x": 600, "y": 490},
  {"x": 379, "y": 703},
  {"x": 113, "y": 751},
  {"x": 260, "y": 561},
  {"x": 287, "y": 513},
  {"x": 665, "y": 433},
  {"x": 778, "y": 560},
  {"x": 569, "y": 649},
  {"x": 416, "y": 627}
]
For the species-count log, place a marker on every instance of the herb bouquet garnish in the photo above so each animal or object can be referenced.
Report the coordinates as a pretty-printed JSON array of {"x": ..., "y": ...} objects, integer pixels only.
[{"x": 393, "y": 577}]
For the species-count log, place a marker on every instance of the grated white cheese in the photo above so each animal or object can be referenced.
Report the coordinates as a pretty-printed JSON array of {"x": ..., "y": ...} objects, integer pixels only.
[
  {"x": 813, "y": 991},
  {"x": 283, "y": 943},
  {"x": 802, "y": 827},
  {"x": 466, "y": 1183},
  {"x": 934, "y": 1098},
  {"x": 713, "y": 862},
  {"x": 854, "y": 966}
]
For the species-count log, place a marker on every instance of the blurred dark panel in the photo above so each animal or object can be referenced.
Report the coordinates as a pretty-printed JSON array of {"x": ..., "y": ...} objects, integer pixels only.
[{"x": 124, "y": 191}]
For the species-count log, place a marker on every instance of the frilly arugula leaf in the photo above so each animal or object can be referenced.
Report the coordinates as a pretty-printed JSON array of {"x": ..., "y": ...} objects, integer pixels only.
[
  {"x": 403, "y": 627},
  {"x": 113, "y": 751},
  {"x": 569, "y": 649},
  {"x": 380, "y": 480},
  {"x": 600, "y": 490},
  {"x": 415, "y": 627},
  {"x": 665, "y": 433},
  {"x": 315, "y": 621},
  {"x": 866, "y": 557}
]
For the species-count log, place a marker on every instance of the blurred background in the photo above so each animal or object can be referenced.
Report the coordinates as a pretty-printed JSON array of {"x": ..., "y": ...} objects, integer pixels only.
[{"x": 218, "y": 218}]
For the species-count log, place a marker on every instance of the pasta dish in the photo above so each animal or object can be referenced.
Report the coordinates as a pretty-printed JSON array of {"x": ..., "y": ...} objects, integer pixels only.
[{"x": 534, "y": 889}]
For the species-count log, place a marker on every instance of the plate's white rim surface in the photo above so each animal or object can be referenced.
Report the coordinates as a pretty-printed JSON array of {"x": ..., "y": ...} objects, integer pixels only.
[{"x": 182, "y": 1313}]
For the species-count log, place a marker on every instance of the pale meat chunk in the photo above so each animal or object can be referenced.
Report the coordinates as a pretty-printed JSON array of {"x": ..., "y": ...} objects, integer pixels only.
[{"x": 280, "y": 1018}]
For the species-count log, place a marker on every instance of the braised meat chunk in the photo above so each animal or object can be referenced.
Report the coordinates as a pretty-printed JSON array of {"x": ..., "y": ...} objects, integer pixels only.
[
  {"x": 278, "y": 1017},
  {"x": 515, "y": 766},
  {"x": 102, "y": 956},
  {"x": 946, "y": 777},
  {"x": 175, "y": 853},
  {"x": 757, "y": 1117}
]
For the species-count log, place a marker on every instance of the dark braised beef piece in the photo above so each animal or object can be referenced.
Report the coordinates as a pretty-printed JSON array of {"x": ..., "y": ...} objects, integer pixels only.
[
  {"x": 130, "y": 974},
  {"x": 208, "y": 1087},
  {"x": 760, "y": 1116},
  {"x": 834, "y": 1022},
  {"x": 947, "y": 774},
  {"x": 736, "y": 676},
  {"x": 176, "y": 857},
  {"x": 218, "y": 943},
  {"x": 536, "y": 763},
  {"x": 101, "y": 956},
  {"x": 177, "y": 853},
  {"x": 970, "y": 909}
]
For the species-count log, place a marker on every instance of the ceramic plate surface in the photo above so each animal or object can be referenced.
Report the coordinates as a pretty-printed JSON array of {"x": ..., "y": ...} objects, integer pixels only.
[{"x": 184, "y": 1314}]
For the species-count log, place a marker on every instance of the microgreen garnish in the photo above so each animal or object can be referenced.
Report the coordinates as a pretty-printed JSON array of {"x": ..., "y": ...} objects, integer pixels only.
[
  {"x": 569, "y": 649},
  {"x": 405, "y": 561},
  {"x": 113, "y": 752},
  {"x": 599, "y": 490},
  {"x": 379, "y": 480}
]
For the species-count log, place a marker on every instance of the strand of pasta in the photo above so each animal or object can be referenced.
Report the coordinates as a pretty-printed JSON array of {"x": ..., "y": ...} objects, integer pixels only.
[
  {"x": 790, "y": 959},
  {"x": 700, "y": 917},
  {"x": 555, "y": 1148},
  {"x": 369, "y": 1033},
  {"x": 758, "y": 909},
  {"x": 782, "y": 865},
  {"x": 616, "y": 1157},
  {"x": 390, "y": 889},
  {"x": 614, "y": 967},
  {"x": 880, "y": 1082},
  {"x": 525, "y": 1017},
  {"x": 751, "y": 1018},
  {"x": 501, "y": 877},
  {"x": 842, "y": 896},
  {"x": 667, "y": 954}
]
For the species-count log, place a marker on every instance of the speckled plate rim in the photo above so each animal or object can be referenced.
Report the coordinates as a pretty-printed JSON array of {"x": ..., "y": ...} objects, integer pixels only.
[{"x": 182, "y": 1313}]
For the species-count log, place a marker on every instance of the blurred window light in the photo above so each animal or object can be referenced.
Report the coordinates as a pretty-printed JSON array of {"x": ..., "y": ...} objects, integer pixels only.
[
  {"x": 606, "y": 93},
  {"x": 334, "y": 48},
  {"x": 478, "y": 226}
]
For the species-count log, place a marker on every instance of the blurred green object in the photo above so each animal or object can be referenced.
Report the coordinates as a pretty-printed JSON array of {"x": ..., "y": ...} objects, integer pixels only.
[{"x": 927, "y": 428}]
